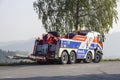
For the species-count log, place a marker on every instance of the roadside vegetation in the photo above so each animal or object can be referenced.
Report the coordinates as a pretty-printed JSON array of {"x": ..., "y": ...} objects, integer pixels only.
[
  {"x": 35, "y": 63},
  {"x": 18, "y": 63},
  {"x": 4, "y": 60},
  {"x": 118, "y": 59}
]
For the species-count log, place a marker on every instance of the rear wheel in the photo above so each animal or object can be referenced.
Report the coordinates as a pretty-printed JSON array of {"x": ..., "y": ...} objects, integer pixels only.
[
  {"x": 64, "y": 57},
  {"x": 97, "y": 58},
  {"x": 72, "y": 58},
  {"x": 88, "y": 58}
]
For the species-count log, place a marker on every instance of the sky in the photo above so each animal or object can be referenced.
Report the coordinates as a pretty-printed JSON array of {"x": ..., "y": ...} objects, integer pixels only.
[
  {"x": 116, "y": 26},
  {"x": 19, "y": 21}
]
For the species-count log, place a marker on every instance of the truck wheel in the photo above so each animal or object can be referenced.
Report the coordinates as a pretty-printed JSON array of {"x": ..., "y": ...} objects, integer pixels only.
[
  {"x": 72, "y": 58},
  {"x": 64, "y": 57},
  {"x": 88, "y": 58},
  {"x": 97, "y": 58}
]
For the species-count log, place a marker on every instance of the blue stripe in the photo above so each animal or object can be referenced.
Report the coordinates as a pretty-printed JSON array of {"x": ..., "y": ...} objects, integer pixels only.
[
  {"x": 69, "y": 44},
  {"x": 81, "y": 53},
  {"x": 92, "y": 46}
]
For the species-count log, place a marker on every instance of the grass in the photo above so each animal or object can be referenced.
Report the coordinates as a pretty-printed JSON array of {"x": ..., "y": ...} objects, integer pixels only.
[
  {"x": 33, "y": 62},
  {"x": 18, "y": 63},
  {"x": 111, "y": 60}
]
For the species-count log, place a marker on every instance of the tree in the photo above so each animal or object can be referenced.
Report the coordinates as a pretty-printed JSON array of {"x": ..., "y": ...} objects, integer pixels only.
[{"x": 62, "y": 15}]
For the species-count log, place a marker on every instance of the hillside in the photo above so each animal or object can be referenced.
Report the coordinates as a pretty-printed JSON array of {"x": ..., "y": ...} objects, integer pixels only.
[
  {"x": 24, "y": 45},
  {"x": 4, "y": 56}
]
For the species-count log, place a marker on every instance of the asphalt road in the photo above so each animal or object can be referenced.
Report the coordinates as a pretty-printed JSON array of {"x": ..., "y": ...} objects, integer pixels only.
[{"x": 82, "y": 71}]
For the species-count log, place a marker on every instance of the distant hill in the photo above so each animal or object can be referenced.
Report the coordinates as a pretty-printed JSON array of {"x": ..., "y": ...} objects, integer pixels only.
[
  {"x": 111, "y": 45},
  {"x": 4, "y": 56},
  {"x": 23, "y": 45}
]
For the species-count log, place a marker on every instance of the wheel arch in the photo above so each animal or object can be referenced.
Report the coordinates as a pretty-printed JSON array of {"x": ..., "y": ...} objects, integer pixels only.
[
  {"x": 65, "y": 51},
  {"x": 98, "y": 51},
  {"x": 91, "y": 52}
]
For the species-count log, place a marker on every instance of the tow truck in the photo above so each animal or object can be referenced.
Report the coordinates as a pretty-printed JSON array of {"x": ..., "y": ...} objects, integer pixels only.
[{"x": 74, "y": 46}]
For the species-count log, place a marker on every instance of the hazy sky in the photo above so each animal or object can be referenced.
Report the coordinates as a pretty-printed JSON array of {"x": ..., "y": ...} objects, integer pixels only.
[{"x": 18, "y": 20}]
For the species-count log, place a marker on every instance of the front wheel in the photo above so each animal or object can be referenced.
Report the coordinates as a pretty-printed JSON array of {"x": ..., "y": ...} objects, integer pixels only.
[
  {"x": 88, "y": 58},
  {"x": 97, "y": 58},
  {"x": 64, "y": 57}
]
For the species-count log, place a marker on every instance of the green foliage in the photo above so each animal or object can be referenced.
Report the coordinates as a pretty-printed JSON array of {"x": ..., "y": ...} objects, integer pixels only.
[
  {"x": 62, "y": 15},
  {"x": 18, "y": 63},
  {"x": 111, "y": 60}
]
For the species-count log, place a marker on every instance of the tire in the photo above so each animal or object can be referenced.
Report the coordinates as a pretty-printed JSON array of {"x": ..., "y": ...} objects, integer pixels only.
[
  {"x": 97, "y": 58},
  {"x": 72, "y": 58},
  {"x": 88, "y": 58},
  {"x": 64, "y": 57}
]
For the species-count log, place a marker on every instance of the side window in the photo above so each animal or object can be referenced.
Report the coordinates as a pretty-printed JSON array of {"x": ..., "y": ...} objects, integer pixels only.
[{"x": 101, "y": 38}]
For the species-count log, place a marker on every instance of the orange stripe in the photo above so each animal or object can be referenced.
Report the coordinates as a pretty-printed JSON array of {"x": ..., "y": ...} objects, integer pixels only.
[
  {"x": 95, "y": 40},
  {"x": 79, "y": 38}
]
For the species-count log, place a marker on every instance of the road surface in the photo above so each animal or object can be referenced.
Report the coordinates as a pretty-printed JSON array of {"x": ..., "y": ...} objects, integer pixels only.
[{"x": 82, "y": 71}]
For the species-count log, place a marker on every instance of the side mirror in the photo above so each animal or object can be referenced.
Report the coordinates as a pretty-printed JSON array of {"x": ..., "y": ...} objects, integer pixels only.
[{"x": 103, "y": 38}]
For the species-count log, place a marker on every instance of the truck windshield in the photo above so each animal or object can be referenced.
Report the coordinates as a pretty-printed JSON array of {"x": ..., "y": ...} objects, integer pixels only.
[
  {"x": 71, "y": 35},
  {"x": 54, "y": 33},
  {"x": 82, "y": 33}
]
